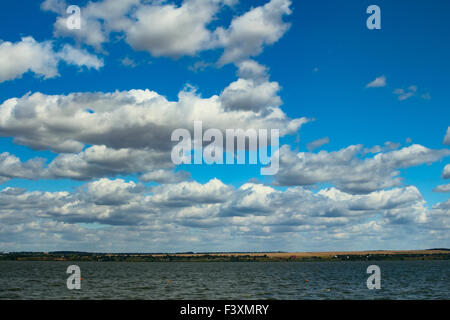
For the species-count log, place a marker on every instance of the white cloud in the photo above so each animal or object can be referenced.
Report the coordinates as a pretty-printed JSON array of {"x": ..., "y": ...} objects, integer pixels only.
[
  {"x": 132, "y": 216},
  {"x": 249, "y": 33},
  {"x": 187, "y": 194},
  {"x": 120, "y": 133},
  {"x": 128, "y": 62},
  {"x": 28, "y": 55},
  {"x": 57, "y": 6},
  {"x": 403, "y": 95},
  {"x": 393, "y": 201},
  {"x": 11, "y": 167},
  {"x": 348, "y": 171},
  {"x": 318, "y": 143},
  {"x": 166, "y": 29},
  {"x": 447, "y": 137},
  {"x": 135, "y": 119},
  {"x": 252, "y": 70},
  {"x": 98, "y": 19},
  {"x": 100, "y": 161},
  {"x": 249, "y": 95},
  {"x": 111, "y": 192},
  {"x": 446, "y": 172},
  {"x": 252, "y": 91},
  {"x": 80, "y": 58},
  {"x": 411, "y": 91},
  {"x": 165, "y": 176},
  {"x": 442, "y": 188},
  {"x": 377, "y": 83}
]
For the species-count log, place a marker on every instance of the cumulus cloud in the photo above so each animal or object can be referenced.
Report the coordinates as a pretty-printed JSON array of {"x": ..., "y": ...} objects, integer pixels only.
[
  {"x": 446, "y": 172},
  {"x": 447, "y": 137},
  {"x": 392, "y": 201},
  {"x": 377, "y": 83},
  {"x": 348, "y": 171},
  {"x": 187, "y": 194},
  {"x": 442, "y": 188},
  {"x": 129, "y": 132},
  {"x": 136, "y": 119},
  {"x": 28, "y": 55},
  {"x": 57, "y": 6},
  {"x": 79, "y": 57},
  {"x": 170, "y": 30},
  {"x": 439, "y": 220},
  {"x": 165, "y": 176},
  {"x": 11, "y": 167},
  {"x": 252, "y": 91},
  {"x": 317, "y": 143},
  {"x": 248, "y": 33},
  {"x": 109, "y": 201},
  {"x": 252, "y": 70},
  {"x": 98, "y": 19},
  {"x": 100, "y": 161},
  {"x": 246, "y": 94},
  {"x": 216, "y": 211},
  {"x": 110, "y": 192}
]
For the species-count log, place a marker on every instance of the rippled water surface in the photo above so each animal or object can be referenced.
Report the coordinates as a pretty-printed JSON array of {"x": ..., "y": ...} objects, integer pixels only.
[{"x": 225, "y": 280}]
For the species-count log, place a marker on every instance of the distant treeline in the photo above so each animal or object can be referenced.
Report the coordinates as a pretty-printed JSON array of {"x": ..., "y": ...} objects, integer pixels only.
[{"x": 216, "y": 257}]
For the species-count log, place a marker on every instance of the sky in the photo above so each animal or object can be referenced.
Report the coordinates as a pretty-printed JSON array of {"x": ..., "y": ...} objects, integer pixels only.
[{"x": 86, "y": 117}]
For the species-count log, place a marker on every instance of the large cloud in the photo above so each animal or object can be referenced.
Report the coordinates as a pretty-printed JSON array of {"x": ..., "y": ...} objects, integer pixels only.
[
  {"x": 27, "y": 55},
  {"x": 248, "y": 33},
  {"x": 252, "y": 91},
  {"x": 111, "y": 192},
  {"x": 100, "y": 161},
  {"x": 215, "y": 213},
  {"x": 246, "y": 94},
  {"x": 40, "y": 58},
  {"x": 128, "y": 119},
  {"x": 115, "y": 201},
  {"x": 348, "y": 170},
  {"x": 79, "y": 57},
  {"x": 11, "y": 167},
  {"x": 127, "y": 132},
  {"x": 98, "y": 19},
  {"x": 170, "y": 30}
]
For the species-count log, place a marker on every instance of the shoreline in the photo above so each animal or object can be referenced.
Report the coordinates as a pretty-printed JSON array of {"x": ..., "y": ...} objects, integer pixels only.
[{"x": 368, "y": 255}]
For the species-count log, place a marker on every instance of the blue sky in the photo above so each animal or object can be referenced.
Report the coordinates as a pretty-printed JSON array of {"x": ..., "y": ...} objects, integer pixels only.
[{"x": 321, "y": 57}]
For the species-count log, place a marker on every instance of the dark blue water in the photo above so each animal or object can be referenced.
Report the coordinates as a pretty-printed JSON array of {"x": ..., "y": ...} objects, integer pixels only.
[{"x": 225, "y": 280}]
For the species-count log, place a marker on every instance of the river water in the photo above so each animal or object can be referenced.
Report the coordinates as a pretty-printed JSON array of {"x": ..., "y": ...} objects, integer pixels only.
[{"x": 225, "y": 280}]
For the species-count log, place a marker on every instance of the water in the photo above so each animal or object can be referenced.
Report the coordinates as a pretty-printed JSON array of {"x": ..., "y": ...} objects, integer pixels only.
[{"x": 225, "y": 280}]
